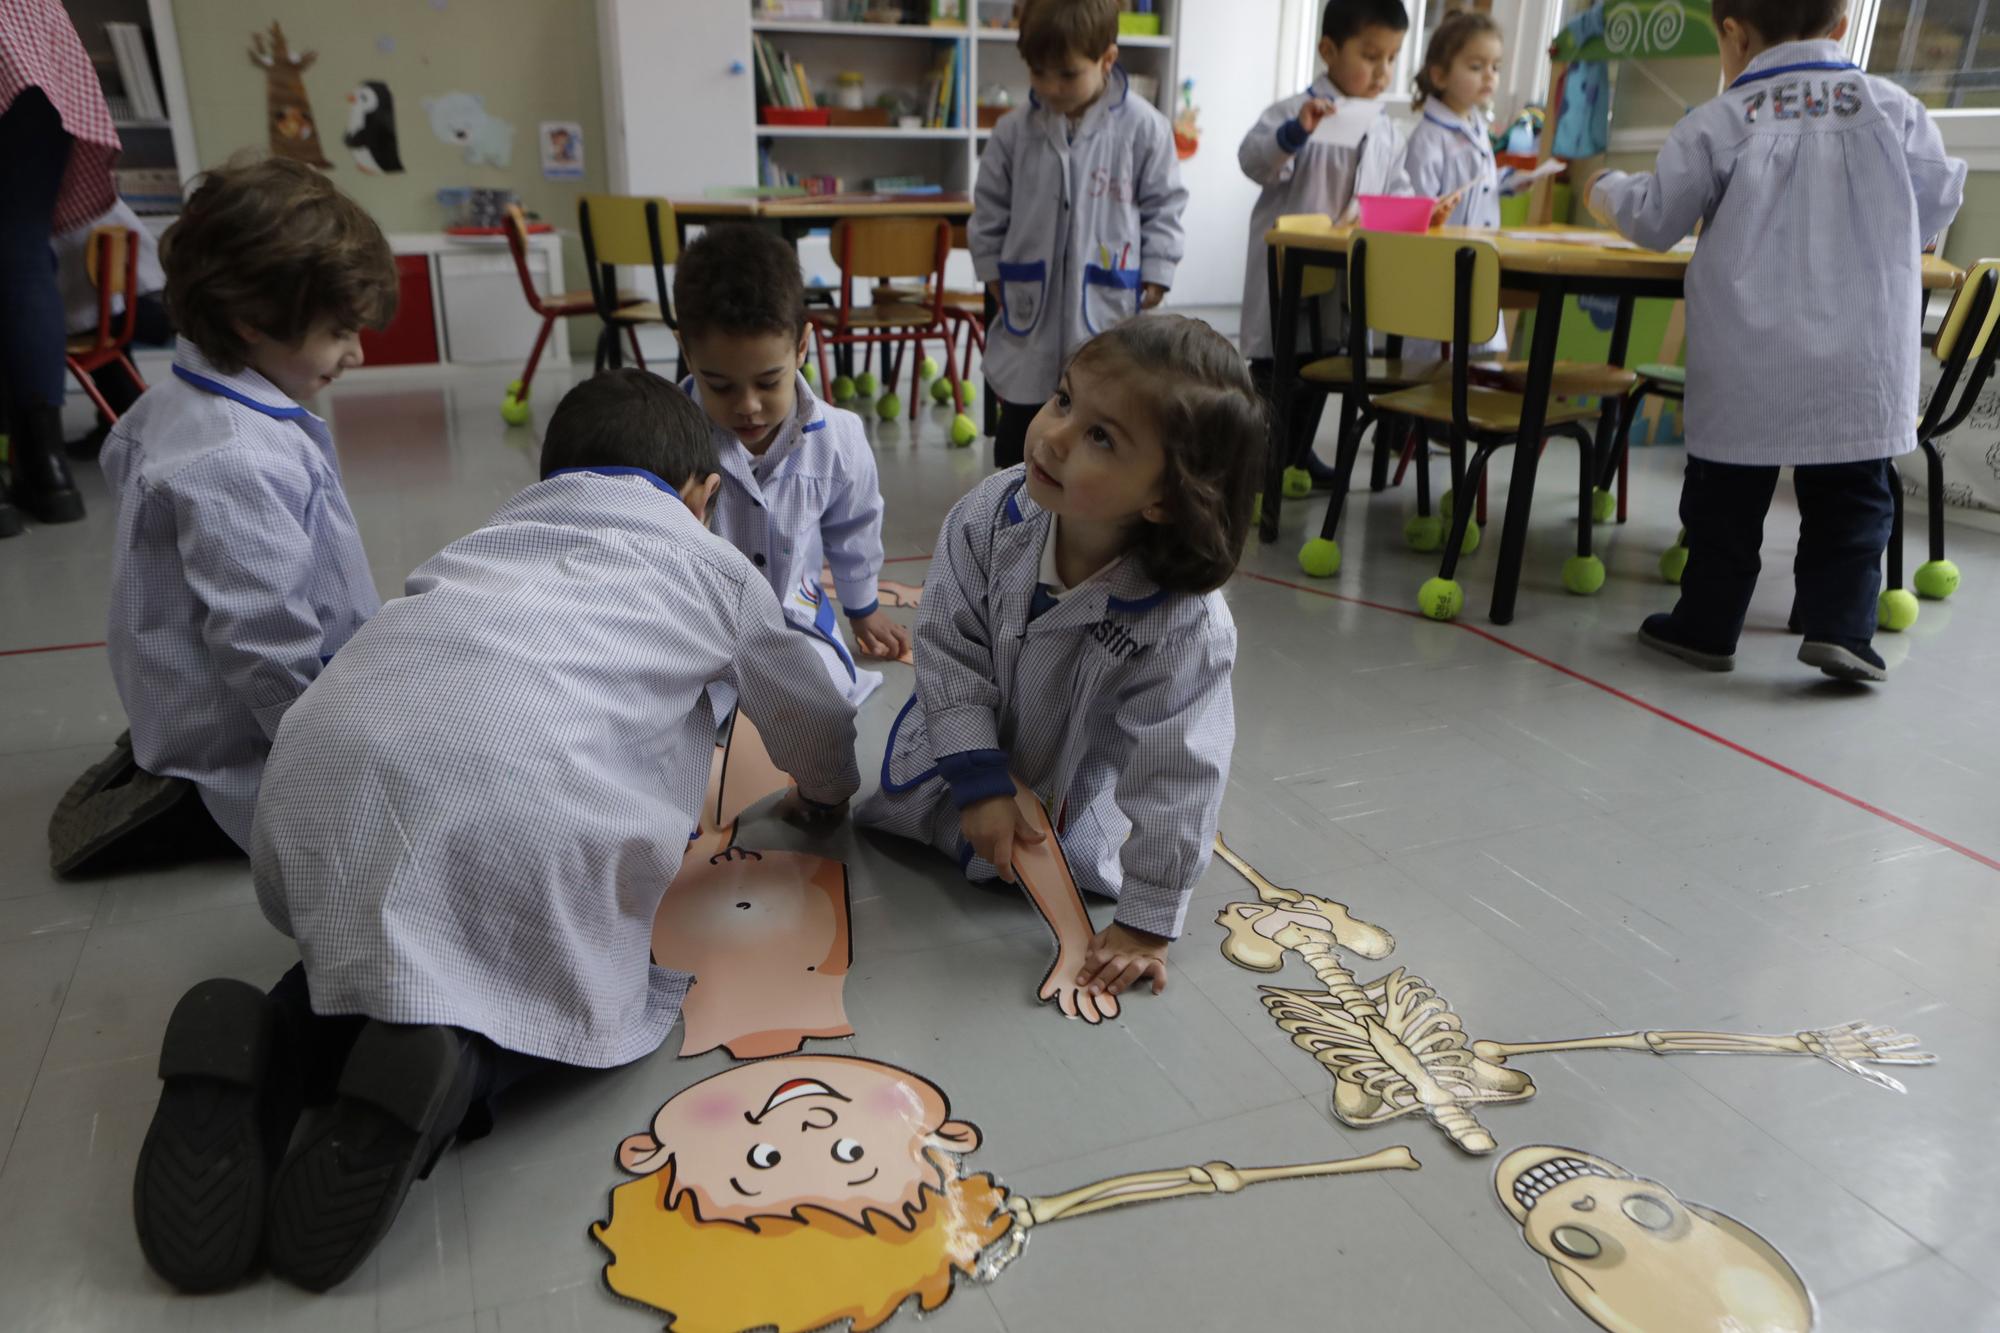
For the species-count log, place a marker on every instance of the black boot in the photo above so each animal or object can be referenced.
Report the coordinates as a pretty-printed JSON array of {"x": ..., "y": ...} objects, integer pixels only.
[
  {"x": 10, "y": 517},
  {"x": 42, "y": 484}
]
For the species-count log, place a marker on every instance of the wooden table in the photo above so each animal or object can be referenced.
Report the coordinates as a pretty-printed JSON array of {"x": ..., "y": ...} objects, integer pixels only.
[
  {"x": 1552, "y": 271},
  {"x": 795, "y": 215}
]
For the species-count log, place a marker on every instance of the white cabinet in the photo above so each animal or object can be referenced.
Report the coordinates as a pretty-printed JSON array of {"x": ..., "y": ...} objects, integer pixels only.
[{"x": 680, "y": 103}]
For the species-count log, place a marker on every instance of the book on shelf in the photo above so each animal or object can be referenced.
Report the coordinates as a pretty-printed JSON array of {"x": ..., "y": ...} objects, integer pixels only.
[{"x": 135, "y": 70}]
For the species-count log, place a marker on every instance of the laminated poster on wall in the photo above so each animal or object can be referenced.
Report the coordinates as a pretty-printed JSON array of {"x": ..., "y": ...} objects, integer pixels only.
[
  {"x": 562, "y": 150},
  {"x": 371, "y": 129},
  {"x": 461, "y": 119},
  {"x": 288, "y": 112}
]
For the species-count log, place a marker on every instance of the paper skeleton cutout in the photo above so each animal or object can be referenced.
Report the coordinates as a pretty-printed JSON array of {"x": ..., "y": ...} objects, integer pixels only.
[
  {"x": 795, "y": 1193},
  {"x": 764, "y": 933},
  {"x": 288, "y": 110},
  {"x": 888, "y": 592},
  {"x": 1635, "y": 1259},
  {"x": 1395, "y": 1048}
]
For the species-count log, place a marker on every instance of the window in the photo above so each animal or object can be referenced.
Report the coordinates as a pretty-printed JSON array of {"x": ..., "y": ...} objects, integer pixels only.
[{"x": 1946, "y": 52}]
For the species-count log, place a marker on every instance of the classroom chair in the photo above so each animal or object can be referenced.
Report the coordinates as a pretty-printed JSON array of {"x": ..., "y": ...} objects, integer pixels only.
[
  {"x": 1965, "y": 339},
  {"x": 638, "y": 232},
  {"x": 964, "y": 310},
  {"x": 111, "y": 258},
  {"x": 878, "y": 251},
  {"x": 1447, "y": 290},
  {"x": 514, "y": 404}
]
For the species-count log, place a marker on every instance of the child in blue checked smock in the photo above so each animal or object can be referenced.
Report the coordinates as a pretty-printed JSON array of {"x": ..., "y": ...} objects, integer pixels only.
[
  {"x": 798, "y": 476},
  {"x": 1818, "y": 186},
  {"x": 1072, "y": 637},
  {"x": 468, "y": 824},
  {"x": 1450, "y": 157},
  {"x": 1076, "y": 219},
  {"x": 237, "y": 570}
]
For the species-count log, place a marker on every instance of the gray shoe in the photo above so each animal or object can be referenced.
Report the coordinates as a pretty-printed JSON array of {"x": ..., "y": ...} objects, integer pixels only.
[{"x": 1842, "y": 662}]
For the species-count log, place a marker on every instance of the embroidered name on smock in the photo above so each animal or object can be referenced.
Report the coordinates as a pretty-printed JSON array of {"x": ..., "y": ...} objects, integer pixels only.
[
  {"x": 1117, "y": 640},
  {"x": 1803, "y": 98}
]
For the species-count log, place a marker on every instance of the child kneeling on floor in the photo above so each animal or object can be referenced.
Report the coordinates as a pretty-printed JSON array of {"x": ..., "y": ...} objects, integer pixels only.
[
  {"x": 1819, "y": 186},
  {"x": 1072, "y": 637},
  {"x": 468, "y": 824}
]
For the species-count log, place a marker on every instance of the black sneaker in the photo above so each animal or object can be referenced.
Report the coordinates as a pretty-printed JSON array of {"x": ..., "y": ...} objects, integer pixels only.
[
  {"x": 1658, "y": 633},
  {"x": 198, "y": 1196},
  {"x": 402, "y": 1095},
  {"x": 1842, "y": 661}
]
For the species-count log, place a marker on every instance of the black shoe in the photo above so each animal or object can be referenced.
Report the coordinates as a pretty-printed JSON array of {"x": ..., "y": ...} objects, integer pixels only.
[
  {"x": 88, "y": 446},
  {"x": 402, "y": 1096},
  {"x": 42, "y": 484},
  {"x": 117, "y": 814},
  {"x": 1322, "y": 475},
  {"x": 198, "y": 1197},
  {"x": 1844, "y": 661},
  {"x": 10, "y": 517},
  {"x": 1658, "y": 633}
]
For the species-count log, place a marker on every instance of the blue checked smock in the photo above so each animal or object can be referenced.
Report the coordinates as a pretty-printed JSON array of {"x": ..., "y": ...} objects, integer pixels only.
[
  {"x": 1448, "y": 152},
  {"x": 473, "y": 814},
  {"x": 237, "y": 570},
  {"x": 1818, "y": 185},
  {"x": 1113, "y": 705},
  {"x": 1300, "y": 176},
  {"x": 1072, "y": 223},
  {"x": 818, "y": 504}
]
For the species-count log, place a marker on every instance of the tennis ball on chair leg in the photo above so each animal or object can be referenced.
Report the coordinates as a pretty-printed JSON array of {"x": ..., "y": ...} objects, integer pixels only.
[
  {"x": 1470, "y": 543},
  {"x": 811, "y": 372},
  {"x": 940, "y": 391},
  {"x": 1603, "y": 506},
  {"x": 843, "y": 389},
  {"x": 1445, "y": 504},
  {"x": 864, "y": 384},
  {"x": 888, "y": 407},
  {"x": 927, "y": 368},
  {"x": 1423, "y": 532},
  {"x": 515, "y": 412},
  {"x": 1320, "y": 557},
  {"x": 1936, "y": 579},
  {"x": 963, "y": 432},
  {"x": 1674, "y": 562},
  {"x": 1440, "y": 599},
  {"x": 1896, "y": 609},
  {"x": 1583, "y": 574},
  {"x": 1298, "y": 483}
]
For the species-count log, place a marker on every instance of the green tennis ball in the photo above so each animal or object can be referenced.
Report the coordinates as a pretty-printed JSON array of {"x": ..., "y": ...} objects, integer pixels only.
[
  {"x": 1603, "y": 506},
  {"x": 843, "y": 389},
  {"x": 1445, "y": 502},
  {"x": 888, "y": 407},
  {"x": 927, "y": 368},
  {"x": 1682, "y": 540},
  {"x": 1320, "y": 557},
  {"x": 1936, "y": 579},
  {"x": 963, "y": 432},
  {"x": 1583, "y": 574},
  {"x": 968, "y": 390},
  {"x": 865, "y": 385},
  {"x": 515, "y": 412},
  {"x": 1298, "y": 483},
  {"x": 811, "y": 372},
  {"x": 1256, "y": 509},
  {"x": 1674, "y": 562},
  {"x": 941, "y": 391},
  {"x": 1470, "y": 542},
  {"x": 1440, "y": 599},
  {"x": 1896, "y": 609},
  {"x": 514, "y": 388},
  {"x": 1423, "y": 532}
]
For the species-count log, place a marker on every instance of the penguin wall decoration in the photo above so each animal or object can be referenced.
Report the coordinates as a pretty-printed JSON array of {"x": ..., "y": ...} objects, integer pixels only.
[{"x": 371, "y": 129}]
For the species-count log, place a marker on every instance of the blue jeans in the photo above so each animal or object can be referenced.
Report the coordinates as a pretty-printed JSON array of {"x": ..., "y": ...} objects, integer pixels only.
[
  {"x": 34, "y": 149},
  {"x": 1845, "y": 513}
]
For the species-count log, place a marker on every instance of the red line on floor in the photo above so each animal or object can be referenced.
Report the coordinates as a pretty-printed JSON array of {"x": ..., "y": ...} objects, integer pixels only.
[
  {"x": 1657, "y": 711},
  {"x": 51, "y": 648}
]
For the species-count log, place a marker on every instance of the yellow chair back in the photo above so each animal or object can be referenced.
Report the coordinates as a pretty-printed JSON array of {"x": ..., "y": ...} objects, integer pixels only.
[
  {"x": 1317, "y": 282},
  {"x": 104, "y": 258},
  {"x": 1412, "y": 285},
  {"x": 891, "y": 247},
  {"x": 621, "y": 232},
  {"x": 1960, "y": 314}
]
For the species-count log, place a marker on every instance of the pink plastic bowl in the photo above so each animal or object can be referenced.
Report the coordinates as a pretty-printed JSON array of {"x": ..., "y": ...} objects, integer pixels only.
[{"x": 1396, "y": 212}]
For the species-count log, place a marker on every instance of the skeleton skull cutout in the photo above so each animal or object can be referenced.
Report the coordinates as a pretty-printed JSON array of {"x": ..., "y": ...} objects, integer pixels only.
[{"x": 1636, "y": 1259}]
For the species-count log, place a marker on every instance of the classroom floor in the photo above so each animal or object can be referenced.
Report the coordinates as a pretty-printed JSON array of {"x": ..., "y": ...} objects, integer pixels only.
[{"x": 1567, "y": 836}]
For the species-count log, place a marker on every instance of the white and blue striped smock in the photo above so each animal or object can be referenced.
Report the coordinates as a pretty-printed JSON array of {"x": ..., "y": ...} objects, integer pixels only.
[
  {"x": 1113, "y": 705},
  {"x": 811, "y": 499},
  {"x": 1300, "y": 176},
  {"x": 1818, "y": 186},
  {"x": 237, "y": 570},
  {"x": 1450, "y": 152},
  {"x": 473, "y": 814}
]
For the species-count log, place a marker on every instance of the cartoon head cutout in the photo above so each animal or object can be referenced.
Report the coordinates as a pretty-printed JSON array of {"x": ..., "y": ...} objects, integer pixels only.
[
  {"x": 757, "y": 1182},
  {"x": 1635, "y": 1259}
]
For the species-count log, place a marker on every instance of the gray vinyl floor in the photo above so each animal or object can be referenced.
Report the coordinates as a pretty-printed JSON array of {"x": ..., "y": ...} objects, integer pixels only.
[{"x": 1567, "y": 837}]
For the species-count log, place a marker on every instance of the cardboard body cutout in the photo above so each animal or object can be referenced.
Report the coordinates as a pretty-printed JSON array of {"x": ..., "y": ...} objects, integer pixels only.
[
  {"x": 1636, "y": 1259},
  {"x": 1044, "y": 873},
  {"x": 764, "y": 933},
  {"x": 888, "y": 592},
  {"x": 1395, "y": 1048},
  {"x": 792, "y": 1194}
]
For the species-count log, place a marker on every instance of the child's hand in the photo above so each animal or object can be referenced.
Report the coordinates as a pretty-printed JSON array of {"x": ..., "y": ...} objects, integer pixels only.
[
  {"x": 1150, "y": 295},
  {"x": 1446, "y": 206},
  {"x": 1313, "y": 112},
  {"x": 1120, "y": 957},
  {"x": 880, "y": 636},
  {"x": 993, "y": 826},
  {"x": 811, "y": 816}
]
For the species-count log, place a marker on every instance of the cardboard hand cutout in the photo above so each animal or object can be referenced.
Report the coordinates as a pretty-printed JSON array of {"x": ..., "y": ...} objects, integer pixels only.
[
  {"x": 1044, "y": 873},
  {"x": 1636, "y": 1259},
  {"x": 1395, "y": 1048},
  {"x": 795, "y": 1193}
]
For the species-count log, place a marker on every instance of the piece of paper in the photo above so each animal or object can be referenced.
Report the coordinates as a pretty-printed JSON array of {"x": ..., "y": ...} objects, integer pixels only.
[
  {"x": 1350, "y": 122},
  {"x": 562, "y": 150},
  {"x": 1520, "y": 180},
  {"x": 1598, "y": 240},
  {"x": 1631, "y": 1255}
]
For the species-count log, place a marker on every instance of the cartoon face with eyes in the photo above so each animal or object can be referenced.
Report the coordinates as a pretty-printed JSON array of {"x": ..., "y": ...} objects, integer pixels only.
[
  {"x": 832, "y": 1132},
  {"x": 1638, "y": 1260}
]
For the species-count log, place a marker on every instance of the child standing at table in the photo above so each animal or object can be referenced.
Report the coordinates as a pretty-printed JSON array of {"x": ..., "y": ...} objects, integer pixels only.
[
  {"x": 1072, "y": 638},
  {"x": 798, "y": 476},
  {"x": 1076, "y": 221},
  {"x": 1450, "y": 155},
  {"x": 1359, "y": 42},
  {"x": 1819, "y": 185}
]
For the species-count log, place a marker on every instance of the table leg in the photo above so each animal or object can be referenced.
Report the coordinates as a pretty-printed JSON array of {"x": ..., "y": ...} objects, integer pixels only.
[
  {"x": 1611, "y": 422},
  {"x": 1527, "y": 452},
  {"x": 1284, "y": 373}
]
